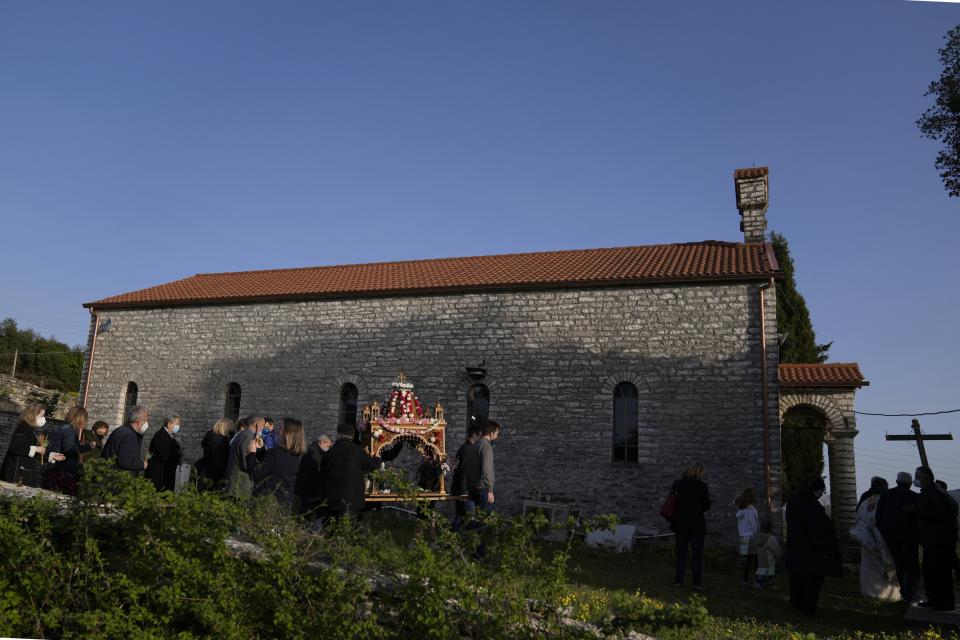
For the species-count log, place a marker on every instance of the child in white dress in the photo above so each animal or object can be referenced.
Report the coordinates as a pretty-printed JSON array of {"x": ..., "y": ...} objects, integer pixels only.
[{"x": 748, "y": 525}]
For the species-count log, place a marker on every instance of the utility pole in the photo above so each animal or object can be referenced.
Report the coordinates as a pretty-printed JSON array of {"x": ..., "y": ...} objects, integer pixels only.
[
  {"x": 13, "y": 370},
  {"x": 919, "y": 437}
]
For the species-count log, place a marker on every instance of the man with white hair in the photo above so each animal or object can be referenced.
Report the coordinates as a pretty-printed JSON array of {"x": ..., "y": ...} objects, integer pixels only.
[
  {"x": 125, "y": 443},
  {"x": 309, "y": 487}
]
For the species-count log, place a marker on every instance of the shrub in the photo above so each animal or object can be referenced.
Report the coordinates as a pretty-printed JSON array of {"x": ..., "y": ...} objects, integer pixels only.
[{"x": 126, "y": 561}]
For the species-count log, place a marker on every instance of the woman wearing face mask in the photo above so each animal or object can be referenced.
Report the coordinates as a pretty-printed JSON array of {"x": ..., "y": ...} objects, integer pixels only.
[
  {"x": 25, "y": 453},
  {"x": 165, "y": 455},
  {"x": 812, "y": 549}
]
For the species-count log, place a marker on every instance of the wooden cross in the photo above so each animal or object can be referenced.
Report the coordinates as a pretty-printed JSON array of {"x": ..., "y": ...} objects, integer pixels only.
[{"x": 919, "y": 438}]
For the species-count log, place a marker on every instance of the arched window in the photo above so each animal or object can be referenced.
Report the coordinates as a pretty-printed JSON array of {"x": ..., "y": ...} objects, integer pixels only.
[
  {"x": 348, "y": 404},
  {"x": 231, "y": 408},
  {"x": 131, "y": 398},
  {"x": 478, "y": 405},
  {"x": 625, "y": 433}
]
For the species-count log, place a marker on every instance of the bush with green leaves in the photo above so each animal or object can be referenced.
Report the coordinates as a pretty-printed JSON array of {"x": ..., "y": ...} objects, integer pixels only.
[{"x": 125, "y": 561}]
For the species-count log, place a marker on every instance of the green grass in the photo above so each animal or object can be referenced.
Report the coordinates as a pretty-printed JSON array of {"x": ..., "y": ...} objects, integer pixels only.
[
  {"x": 746, "y": 611},
  {"x": 736, "y": 611}
]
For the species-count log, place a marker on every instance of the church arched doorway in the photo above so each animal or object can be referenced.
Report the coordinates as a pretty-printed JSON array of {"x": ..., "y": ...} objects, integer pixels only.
[{"x": 803, "y": 431}]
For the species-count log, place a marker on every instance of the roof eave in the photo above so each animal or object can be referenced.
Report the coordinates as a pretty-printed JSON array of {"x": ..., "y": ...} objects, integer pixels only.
[
  {"x": 392, "y": 293},
  {"x": 846, "y": 384}
]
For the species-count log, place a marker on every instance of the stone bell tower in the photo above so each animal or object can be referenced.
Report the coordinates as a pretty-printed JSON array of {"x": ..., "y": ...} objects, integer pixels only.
[{"x": 753, "y": 191}]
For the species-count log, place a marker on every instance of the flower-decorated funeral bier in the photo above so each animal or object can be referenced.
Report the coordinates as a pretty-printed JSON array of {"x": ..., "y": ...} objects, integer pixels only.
[{"x": 402, "y": 418}]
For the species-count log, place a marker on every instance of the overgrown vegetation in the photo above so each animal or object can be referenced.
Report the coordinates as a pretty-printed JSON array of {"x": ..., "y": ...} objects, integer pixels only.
[
  {"x": 45, "y": 362},
  {"x": 125, "y": 561}
]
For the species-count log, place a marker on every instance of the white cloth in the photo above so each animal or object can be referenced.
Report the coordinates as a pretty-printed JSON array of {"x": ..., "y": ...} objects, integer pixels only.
[
  {"x": 182, "y": 478},
  {"x": 878, "y": 576},
  {"x": 768, "y": 552},
  {"x": 748, "y": 522}
]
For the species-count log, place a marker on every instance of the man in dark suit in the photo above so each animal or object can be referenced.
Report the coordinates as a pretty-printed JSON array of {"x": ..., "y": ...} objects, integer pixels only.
[
  {"x": 165, "y": 455},
  {"x": 124, "y": 444},
  {"x": 938, "y": 535},
  {"x": 899, "y": 530},
  {"x": 341, "y": 474},
  {"x": 956, "y": 508},
  {"x": 309, "y": 487}
]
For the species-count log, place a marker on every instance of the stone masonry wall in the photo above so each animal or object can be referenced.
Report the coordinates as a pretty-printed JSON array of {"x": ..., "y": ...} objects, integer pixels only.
[
  {"x": 15, "y": 393},
  {"x": 553, "y": 357}
]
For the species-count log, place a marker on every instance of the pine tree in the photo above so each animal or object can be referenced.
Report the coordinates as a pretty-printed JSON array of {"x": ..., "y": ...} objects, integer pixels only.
[{"x": 802, "y": 432}]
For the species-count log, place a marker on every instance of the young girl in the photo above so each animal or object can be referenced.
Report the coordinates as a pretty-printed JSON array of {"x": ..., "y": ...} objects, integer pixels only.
[{"x": 748, "y": 524}]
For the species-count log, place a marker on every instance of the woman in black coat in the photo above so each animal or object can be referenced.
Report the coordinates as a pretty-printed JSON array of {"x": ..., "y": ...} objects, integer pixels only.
[
  {"x": 690, "y": 527},
  {"x": 25, "y": 453},
  {"x": 165, "y": 455},
  {"x": 276, "y": 474},
  {"x": 216, "y": 452},
  {"x": 812, "y": 549},
  {"x": 63, "y": 476}
]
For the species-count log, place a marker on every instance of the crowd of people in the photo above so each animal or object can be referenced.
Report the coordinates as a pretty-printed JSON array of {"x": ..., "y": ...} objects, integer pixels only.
[
  {"x": 326, "y": 479},
  {"x": 254, "y": 457},
  {"x": 892, "y": 527}
]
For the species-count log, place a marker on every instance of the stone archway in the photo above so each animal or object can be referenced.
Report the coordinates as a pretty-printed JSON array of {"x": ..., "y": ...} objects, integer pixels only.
[{"x": 829, "y": 389}]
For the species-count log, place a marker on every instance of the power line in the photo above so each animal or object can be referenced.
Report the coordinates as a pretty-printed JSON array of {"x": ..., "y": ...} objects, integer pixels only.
[
  {"x": 29, "y": 322},
  {"x": 892, "y": 461},
  {"x": 907, "y": 415},
  {"x": 41, "y": 353},
  {"x": 906, "y": 462},
  {"x": 805, "y": 322}
]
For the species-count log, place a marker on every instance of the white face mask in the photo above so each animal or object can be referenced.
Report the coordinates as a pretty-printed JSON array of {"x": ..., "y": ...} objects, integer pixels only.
[
  {"x": 176, "y": 428},
  {"x": 40, "y": 421},
  {"x": 144, "y": 427}
]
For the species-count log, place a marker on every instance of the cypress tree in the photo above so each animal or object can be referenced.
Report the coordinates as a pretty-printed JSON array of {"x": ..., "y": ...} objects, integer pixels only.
[
  {"x": 793, "y": 318},
  {"x": 802, "y": 432}
]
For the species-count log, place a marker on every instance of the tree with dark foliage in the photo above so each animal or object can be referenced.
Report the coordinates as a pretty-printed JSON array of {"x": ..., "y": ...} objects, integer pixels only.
[
  {"x": 46, "y": 362},
  {"x": 941, "y": 122},
  {"x": 801, "y": 438}
]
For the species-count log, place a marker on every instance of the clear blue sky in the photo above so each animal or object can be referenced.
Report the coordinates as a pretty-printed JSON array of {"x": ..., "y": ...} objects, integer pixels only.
[{"x": 144, "y": 142}]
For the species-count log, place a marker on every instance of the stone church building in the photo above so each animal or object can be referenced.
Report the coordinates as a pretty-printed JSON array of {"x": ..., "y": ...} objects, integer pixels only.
[{"x": 609, "y": 369}]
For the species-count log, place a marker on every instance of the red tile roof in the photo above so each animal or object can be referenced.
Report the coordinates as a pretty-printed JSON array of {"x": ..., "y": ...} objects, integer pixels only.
[
  {"x": 834, "y": 374},
  {"x": 692, "y": 262},
  {"x": 752, "y": 172}
]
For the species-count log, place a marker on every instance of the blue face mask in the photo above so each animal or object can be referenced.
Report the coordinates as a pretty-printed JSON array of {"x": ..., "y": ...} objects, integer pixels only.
[{"x": 176, "y": 428}]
